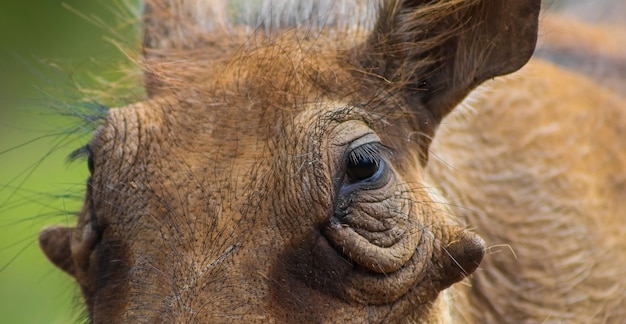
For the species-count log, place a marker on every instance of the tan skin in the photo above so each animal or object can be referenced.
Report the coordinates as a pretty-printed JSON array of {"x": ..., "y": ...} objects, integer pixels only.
[{"x": 294, "y": 180}]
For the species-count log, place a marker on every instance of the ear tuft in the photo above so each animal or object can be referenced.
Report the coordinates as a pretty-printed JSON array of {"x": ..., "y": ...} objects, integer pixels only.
[{"x": 55, "y": 244}]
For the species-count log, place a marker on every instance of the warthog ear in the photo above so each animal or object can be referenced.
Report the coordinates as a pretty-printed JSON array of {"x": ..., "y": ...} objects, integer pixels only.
[
  {"x": 55, "y": 244},
  {"x": 68, "y": 248},
  {"x": 437, "y": 51}
]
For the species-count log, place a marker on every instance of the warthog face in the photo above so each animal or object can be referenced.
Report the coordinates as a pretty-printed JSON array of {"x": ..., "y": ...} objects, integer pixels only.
[{"x": 278, "y": 175}]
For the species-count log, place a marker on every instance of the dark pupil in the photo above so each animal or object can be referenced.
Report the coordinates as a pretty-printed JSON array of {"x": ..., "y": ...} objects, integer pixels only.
[{"x": 361, "y": 167}]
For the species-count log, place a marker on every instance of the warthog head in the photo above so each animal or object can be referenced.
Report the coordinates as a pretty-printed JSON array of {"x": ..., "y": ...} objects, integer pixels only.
[{"x": 275, "y": 171}]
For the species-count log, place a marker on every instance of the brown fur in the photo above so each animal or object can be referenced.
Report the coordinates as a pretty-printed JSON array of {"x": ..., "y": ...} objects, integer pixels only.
[
  {"x": 225, "y": 196},
  {"x": 551, "y": 174}
]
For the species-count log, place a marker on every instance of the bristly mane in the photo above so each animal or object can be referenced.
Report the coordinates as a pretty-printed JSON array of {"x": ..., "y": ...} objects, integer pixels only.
[{"x": 186, "y": 20}]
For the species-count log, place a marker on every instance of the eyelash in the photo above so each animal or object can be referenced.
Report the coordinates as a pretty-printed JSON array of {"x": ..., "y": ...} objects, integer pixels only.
[
  {"x": 83, "y": 152},
  {"x": 375, "y": 151}
]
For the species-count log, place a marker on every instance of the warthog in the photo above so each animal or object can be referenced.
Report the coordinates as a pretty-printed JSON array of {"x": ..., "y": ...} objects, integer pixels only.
[{"x": 285, "y": 168}]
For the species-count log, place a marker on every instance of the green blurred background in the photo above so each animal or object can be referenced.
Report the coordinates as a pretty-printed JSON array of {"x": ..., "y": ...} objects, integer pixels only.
[{"x": 49, "y": 50}]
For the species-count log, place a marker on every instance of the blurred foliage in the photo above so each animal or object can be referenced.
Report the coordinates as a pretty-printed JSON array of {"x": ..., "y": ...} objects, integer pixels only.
[{"x": 50, "y": 53}]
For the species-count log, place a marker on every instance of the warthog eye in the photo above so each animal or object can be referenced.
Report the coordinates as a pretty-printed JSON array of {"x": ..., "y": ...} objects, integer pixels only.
[{"x": 365, "y": 163}]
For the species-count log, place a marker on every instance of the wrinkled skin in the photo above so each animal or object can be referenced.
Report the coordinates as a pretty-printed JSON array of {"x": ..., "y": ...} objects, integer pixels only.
[{"x": 293, "y": 178}]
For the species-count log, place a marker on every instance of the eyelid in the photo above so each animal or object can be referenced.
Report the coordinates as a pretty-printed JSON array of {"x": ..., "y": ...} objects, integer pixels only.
[{"x": 363, "y": 140}]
